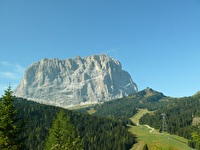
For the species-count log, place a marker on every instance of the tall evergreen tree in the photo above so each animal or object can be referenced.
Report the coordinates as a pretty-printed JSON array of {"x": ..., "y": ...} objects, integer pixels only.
[
  {"x": 62, "y": 135},
  {"x": 11, "y": 127}
]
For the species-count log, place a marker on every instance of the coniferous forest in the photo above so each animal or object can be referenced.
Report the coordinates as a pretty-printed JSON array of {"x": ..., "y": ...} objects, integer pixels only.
[{"x": 96, "y": 133}]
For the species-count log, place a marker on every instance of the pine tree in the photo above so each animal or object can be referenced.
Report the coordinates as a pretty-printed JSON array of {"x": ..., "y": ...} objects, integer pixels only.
[
  {"x": 11, "y": 127},
  {"x": 62, "y": 135}
]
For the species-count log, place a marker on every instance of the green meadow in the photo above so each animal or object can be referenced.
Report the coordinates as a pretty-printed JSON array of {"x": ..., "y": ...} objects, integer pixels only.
[{"x": 155, "y": 140}]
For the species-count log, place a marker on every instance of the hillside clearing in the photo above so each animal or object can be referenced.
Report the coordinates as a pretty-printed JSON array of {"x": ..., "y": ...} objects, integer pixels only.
[
  {"x": 154, "y": 139},
  {"x": 136, "y": 117}
]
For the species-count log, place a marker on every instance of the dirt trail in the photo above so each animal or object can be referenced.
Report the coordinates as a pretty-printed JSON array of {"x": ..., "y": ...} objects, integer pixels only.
[{"x": 152, "y": 129}]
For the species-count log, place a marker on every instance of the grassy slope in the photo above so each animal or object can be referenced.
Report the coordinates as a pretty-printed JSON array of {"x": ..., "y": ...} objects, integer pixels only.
[
  {"x": 136, "y": 117},
  {"x": 155, "y": 140}
]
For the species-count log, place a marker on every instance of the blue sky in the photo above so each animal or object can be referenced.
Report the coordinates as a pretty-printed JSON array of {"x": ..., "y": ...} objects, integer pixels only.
[{"x": 157, "y": 41}]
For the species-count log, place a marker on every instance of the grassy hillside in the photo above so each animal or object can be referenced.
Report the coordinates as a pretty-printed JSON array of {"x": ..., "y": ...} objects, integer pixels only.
[
  {"x": 135, "y": 119},
  {"x": 155, "y": 140}
]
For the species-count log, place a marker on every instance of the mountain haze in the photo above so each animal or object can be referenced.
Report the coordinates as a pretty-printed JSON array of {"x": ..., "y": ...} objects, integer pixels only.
[{"x": 64, "y": 83}]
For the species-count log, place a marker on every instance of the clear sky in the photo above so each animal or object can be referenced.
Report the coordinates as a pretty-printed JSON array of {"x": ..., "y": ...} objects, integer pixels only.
[{"x": 157, "y": 41}]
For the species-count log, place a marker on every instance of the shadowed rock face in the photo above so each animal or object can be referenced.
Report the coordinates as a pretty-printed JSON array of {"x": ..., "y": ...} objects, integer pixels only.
[{"x": 93, "y": 79}]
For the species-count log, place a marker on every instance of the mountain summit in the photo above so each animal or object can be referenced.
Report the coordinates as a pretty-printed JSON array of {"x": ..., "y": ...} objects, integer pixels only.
[{"x": 64, "y": 83}]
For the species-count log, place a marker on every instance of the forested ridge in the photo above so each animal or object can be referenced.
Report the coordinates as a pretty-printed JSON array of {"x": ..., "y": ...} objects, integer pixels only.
[
  {"x": 96, "y": 133},
  {"x": 179, "y": 112},
  {"x": 124, "y": 108}
]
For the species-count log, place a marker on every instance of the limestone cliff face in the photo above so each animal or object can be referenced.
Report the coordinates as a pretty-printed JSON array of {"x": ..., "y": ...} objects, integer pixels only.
[{"x": 64, "y": 83}]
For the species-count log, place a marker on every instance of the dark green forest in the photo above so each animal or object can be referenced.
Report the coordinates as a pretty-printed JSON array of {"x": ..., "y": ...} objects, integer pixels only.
[
  {"x": 96, "y": 133},
  {"x": 124, "y": 108},
  {"x": 179, "y": 112}
]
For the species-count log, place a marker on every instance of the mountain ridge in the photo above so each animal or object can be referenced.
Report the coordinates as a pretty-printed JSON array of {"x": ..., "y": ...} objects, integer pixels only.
[{"x": 69, "y": 82}]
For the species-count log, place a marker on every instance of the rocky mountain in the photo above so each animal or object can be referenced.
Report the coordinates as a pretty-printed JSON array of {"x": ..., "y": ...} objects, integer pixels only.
[{"x": 64, "y": 83}]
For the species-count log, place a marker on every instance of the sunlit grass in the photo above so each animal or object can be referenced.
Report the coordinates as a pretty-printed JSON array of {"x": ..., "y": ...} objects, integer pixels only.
[
  {"x": 136, "y": 117},
  {"x": 155, "y": 140}
]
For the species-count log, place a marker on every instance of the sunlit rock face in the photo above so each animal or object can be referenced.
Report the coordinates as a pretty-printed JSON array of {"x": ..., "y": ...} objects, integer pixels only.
[{"x": 93, "y": 79}]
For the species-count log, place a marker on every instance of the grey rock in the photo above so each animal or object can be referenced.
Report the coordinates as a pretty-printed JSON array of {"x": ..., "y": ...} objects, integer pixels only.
[{"x": 65, "y": 83}]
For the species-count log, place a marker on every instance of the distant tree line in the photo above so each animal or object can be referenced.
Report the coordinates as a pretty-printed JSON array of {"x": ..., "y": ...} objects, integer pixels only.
[{"x": 124, "y": 108}]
